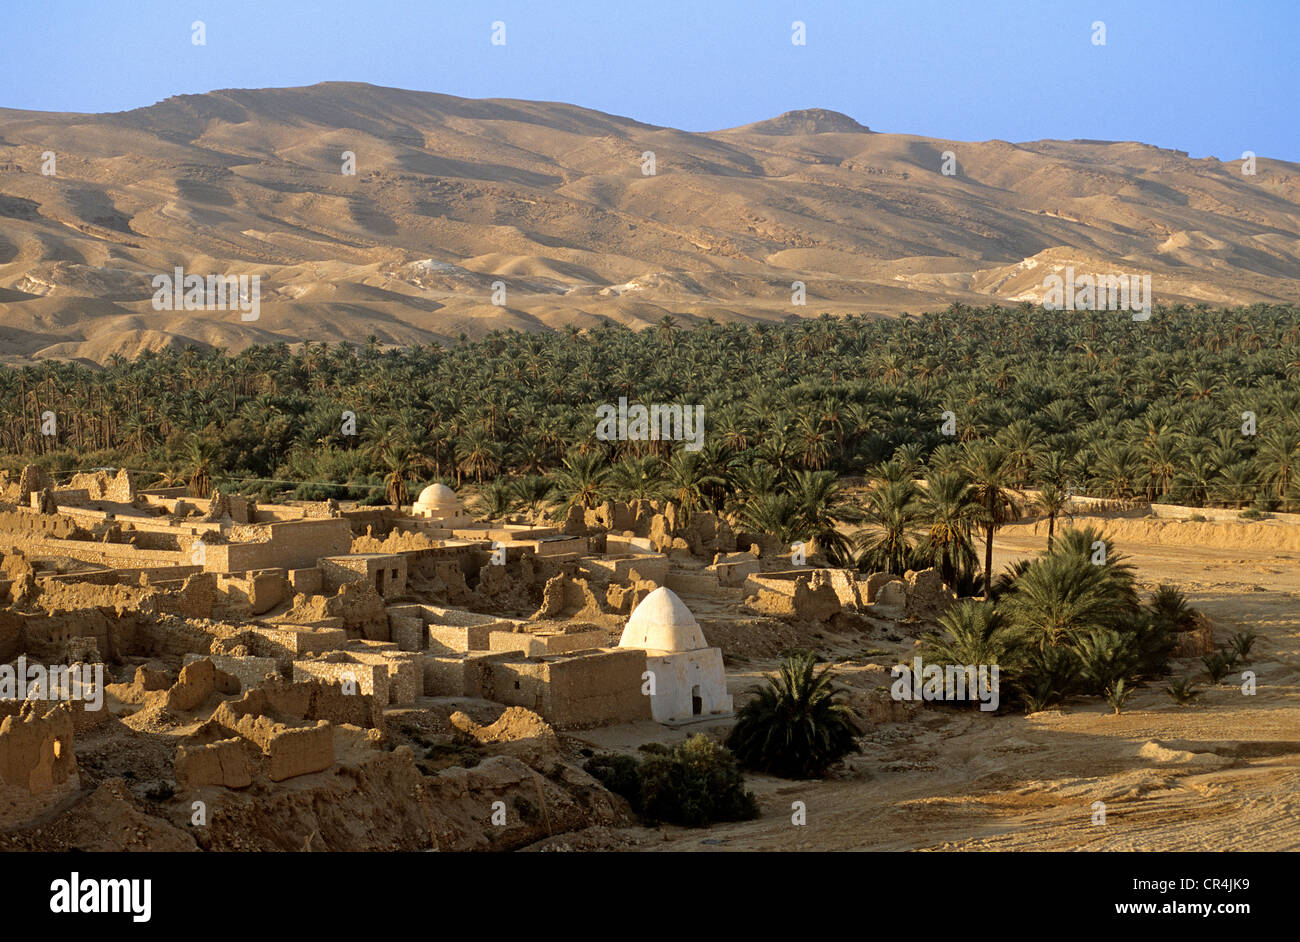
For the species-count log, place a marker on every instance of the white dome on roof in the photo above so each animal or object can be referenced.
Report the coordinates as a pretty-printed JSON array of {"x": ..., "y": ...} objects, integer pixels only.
[
  {"x": 662, "y": 622},
  {"x": 438, "y": 496}
]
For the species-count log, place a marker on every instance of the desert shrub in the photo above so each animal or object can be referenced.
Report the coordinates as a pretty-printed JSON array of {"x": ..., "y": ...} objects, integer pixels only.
[
  {"x": 528, "y": 812},
  {"x": 1240, "y": 645},
  {"x": 160, "y": 791},
  {"x": 1117, "y": 694},
  {"x": 1216, "y": 666},
  {"x": 1251, "y": 513},
  {"x": 796, "y": 727},
  {"x": 693, "y": 784},
  {"x": 619, "y": 773},
  {"x": 445, "y": 755},
  {"x": 1182, "y": 690}
]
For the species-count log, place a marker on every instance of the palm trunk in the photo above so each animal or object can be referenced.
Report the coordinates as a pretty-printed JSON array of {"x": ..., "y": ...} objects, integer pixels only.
[{"x": 988, "y": 564}]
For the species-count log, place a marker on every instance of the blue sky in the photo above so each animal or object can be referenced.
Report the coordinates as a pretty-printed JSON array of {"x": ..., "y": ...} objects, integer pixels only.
[{"x": 1214, "y": 79}]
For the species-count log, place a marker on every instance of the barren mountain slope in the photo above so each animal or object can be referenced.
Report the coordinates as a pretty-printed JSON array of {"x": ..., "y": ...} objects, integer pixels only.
[{"x": 453, "y": 195}]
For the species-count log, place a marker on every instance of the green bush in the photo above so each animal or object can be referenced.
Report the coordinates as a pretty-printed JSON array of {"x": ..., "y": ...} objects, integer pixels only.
[
  {"x": 620, "y": 774},
  {"x": 692, "y": 784},
  {"x": 1182, "y": 690},
  {"x": 1216, "y": 666},
  {"x": 1117, "y": 694},
  {"x": 1240, "y": 645},
  {"x": 319, "y": 492},
  {"x": 1046, "y": 677}
]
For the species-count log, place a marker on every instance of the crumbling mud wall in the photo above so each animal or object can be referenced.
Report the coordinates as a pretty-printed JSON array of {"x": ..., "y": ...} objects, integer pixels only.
[
  {"x": 98, "y": 485},
  {"x": 573, "y": 692},
  {"x": 801, "y": 595},
  {"x": 309, "y": 701},
  {"x": 294, "y": 544},
  {"x": 37, "y": 766},
  {"x": 1259, "y": 535}
]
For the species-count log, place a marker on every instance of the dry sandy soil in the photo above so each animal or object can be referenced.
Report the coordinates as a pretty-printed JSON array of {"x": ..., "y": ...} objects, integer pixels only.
[
  {"x": 451, "y": 195},
  {"x": 1221, "y": 774}
]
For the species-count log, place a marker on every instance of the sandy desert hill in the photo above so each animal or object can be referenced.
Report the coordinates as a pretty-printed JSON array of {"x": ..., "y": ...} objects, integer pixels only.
[{"x": 451, "y": 195}]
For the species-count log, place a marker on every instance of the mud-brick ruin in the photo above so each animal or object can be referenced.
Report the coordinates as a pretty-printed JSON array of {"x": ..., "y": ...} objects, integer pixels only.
[{"x": 307, "y": 677}]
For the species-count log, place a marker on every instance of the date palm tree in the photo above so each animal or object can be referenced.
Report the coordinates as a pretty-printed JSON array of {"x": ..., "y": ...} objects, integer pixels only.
[
  {"x": 822, "y": 509},
  {"x": 887, "y": 543},
  {"x": 637, "y": 478},
  {"x": 580, "y": 480},
  {"x": 199, "y": 456},
  {"x": 687, "y": 480},
  {"x": 796, "y": 727},
  {"x": 991, "y": 473},
  {"x": 395, "y": 490},
  {"x": 947, "y": 505},
  {"x": 1052, "y": 502}
]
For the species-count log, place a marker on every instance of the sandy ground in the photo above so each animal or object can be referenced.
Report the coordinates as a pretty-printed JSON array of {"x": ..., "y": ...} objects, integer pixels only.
[{"x": 1220, "y": 774}]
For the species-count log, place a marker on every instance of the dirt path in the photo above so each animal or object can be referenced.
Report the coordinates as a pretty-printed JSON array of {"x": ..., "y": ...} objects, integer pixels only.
[{"x": 1220, "y": 774}]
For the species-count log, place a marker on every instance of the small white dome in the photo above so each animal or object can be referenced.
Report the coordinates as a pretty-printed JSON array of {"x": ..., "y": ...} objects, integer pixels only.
[
  {"x": 438, "y": 496},
  {"x": 662, "y": 622}
]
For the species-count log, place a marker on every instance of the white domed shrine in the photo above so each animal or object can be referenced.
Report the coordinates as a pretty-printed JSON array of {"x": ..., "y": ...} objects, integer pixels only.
[
  {"x": 687, "y": 677},
  {"x": 662, "y": 622},
  {"x": 438, "y": 502}
]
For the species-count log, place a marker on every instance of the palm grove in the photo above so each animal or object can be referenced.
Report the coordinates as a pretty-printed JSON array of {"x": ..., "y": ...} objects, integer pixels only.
[
  {"x": 1092, "y": 403},
  {"x": 1194, "y": 406}
]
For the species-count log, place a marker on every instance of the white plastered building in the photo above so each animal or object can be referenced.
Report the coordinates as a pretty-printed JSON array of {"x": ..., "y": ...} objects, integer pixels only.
[{"x": 690, "y": 683}]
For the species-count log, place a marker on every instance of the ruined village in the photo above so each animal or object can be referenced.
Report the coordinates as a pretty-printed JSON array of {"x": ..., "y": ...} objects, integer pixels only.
[
  {"x": 288, "y": 667},
  {"x": 308, "y": 676}
]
